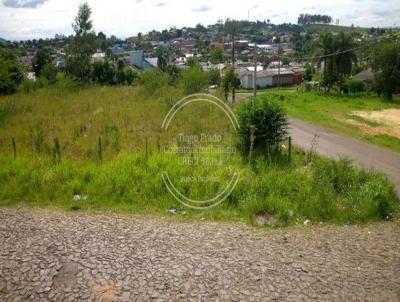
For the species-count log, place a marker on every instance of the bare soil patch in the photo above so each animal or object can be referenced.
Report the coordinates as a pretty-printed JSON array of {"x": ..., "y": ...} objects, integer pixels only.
[{"x": 388, "y": 122}]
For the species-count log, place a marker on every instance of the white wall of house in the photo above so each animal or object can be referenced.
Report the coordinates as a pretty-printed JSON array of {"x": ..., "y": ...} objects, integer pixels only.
[
  {"x": 246, "y": 81},
  {"x": 98, "y": 57},
  {"x": 265, "y": 81}
]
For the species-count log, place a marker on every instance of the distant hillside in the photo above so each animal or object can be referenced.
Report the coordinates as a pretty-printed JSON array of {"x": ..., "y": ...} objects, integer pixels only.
[
  {"x": 3, "y": 41},
  {"x": 334, "y": 28}
]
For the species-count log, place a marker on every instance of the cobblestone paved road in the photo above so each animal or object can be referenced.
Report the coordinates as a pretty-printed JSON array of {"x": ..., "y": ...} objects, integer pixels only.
[{"x": 53, "y": 256}]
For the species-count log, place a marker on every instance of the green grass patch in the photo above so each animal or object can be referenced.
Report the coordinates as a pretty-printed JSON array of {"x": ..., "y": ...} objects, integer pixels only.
[
  {"x": 284, "y": 193},
  {"x": 364, "y": 121},
  {"x": 3, "y": 117},
  {"x": 383, "y": 140}
]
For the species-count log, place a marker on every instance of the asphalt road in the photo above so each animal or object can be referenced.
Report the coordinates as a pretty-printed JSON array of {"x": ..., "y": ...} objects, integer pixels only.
[{"x": 335, "y": 145}]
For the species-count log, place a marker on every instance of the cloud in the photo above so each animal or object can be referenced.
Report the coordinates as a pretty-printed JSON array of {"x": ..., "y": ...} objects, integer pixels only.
[
  {"x": 123, "y": 20},
  {"x": 386, "y": 12},
  {"x": 202, "y": 9},
  {"x": 23, "y": 3}
]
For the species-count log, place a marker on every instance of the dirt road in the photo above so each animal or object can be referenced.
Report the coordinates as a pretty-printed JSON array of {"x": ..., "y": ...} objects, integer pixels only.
[
  {"x": 336, "y": 146},
  {"x": 52, "y": 256}
]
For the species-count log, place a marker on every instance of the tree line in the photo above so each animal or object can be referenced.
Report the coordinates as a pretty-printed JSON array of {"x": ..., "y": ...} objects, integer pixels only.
[
  {"x": 306, "y": 19},
  {"x": 333, "y": 53},
  {"x": 336, "y": 55}
]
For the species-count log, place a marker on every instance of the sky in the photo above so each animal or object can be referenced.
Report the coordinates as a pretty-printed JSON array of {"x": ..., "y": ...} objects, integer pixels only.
[{"x": 29, "y": 19}]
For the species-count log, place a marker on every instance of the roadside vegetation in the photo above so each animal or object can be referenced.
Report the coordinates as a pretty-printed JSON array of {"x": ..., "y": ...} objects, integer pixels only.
[
  {"x": 340, "y": 113},
  {"x": 97, "y": 148}
]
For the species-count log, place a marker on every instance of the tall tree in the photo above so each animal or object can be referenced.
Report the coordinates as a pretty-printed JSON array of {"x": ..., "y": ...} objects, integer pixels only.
[
  {"x": 325, "y": 47},
  {"x": 10, "y": 71},
  {"x": 229, "y": 81},
  {"x": 346, "y": 57},
  {"x": 42, "y": 58},
  {"x": 163, "y": 58},
  {"x": 337, "y": 55},
  {"x": 216, "y": 55},
  {"x": 386, "y": 64},
  {"x": 82, "y": 46}
]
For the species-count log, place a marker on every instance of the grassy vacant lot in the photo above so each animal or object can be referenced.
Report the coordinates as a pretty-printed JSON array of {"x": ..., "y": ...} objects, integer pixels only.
[
  {"x": 338, "y": 113},
  {"x": 109, "y": 155}
]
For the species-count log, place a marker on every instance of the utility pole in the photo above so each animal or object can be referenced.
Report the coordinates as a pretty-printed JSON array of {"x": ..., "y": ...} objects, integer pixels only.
[
  {"x": 279, "y": 71},
  {"x": 233, "y": 58},
  {"x": 255, "y": 71}
]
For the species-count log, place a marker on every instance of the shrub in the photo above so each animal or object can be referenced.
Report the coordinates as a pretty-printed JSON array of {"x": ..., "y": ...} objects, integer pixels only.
[
  {"x": 129, "y": 75},
  {"x": 214, "y": 77},
  {"x": 194, "y": 80},
  {"x": 104, "y": 73},
  {"x": 10, "y": 72},
  {"x": 263, "y": 123},
  {"x": 174, "y": 73},
  {"x": 28, "y": 85},
  {"x": 49, "y": 72},
  {"x": 152, "y": 81},
  {"x": 308, "y": 73},
  {"x": 354, "y": 86}
]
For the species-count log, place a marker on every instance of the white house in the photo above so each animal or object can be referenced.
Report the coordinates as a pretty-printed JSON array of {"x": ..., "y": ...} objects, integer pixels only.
[
  {"x": 266, "y": 78},
  {"x": 98, "y": 57}
]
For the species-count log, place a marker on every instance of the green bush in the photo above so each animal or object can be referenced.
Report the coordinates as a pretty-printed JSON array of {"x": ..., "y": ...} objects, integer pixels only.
[
  {"x": 104, "y": 73},
  {"x": 263, "y": 123},
  {"x": 193, "y": 80},
  {"x": 214, "y": 77},
  {"x": 10, "y": 72},
  {"x": 49, "y": 72},
  {"x": 152, "y": 81},
  {"x": 354, "y": 86},
  {"x": 28, "y": 85},
  {"x": 129, "y": 75}
]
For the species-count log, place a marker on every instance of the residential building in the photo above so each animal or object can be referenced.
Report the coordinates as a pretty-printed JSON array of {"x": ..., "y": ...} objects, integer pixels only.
[
  {"x": 60, "y": 63},
  {"x": 117, "y": 50},
  {"x": 98, "y": 57},
  {"x": 137, "y": 59},
  {"x": 268, "y": 77}
]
